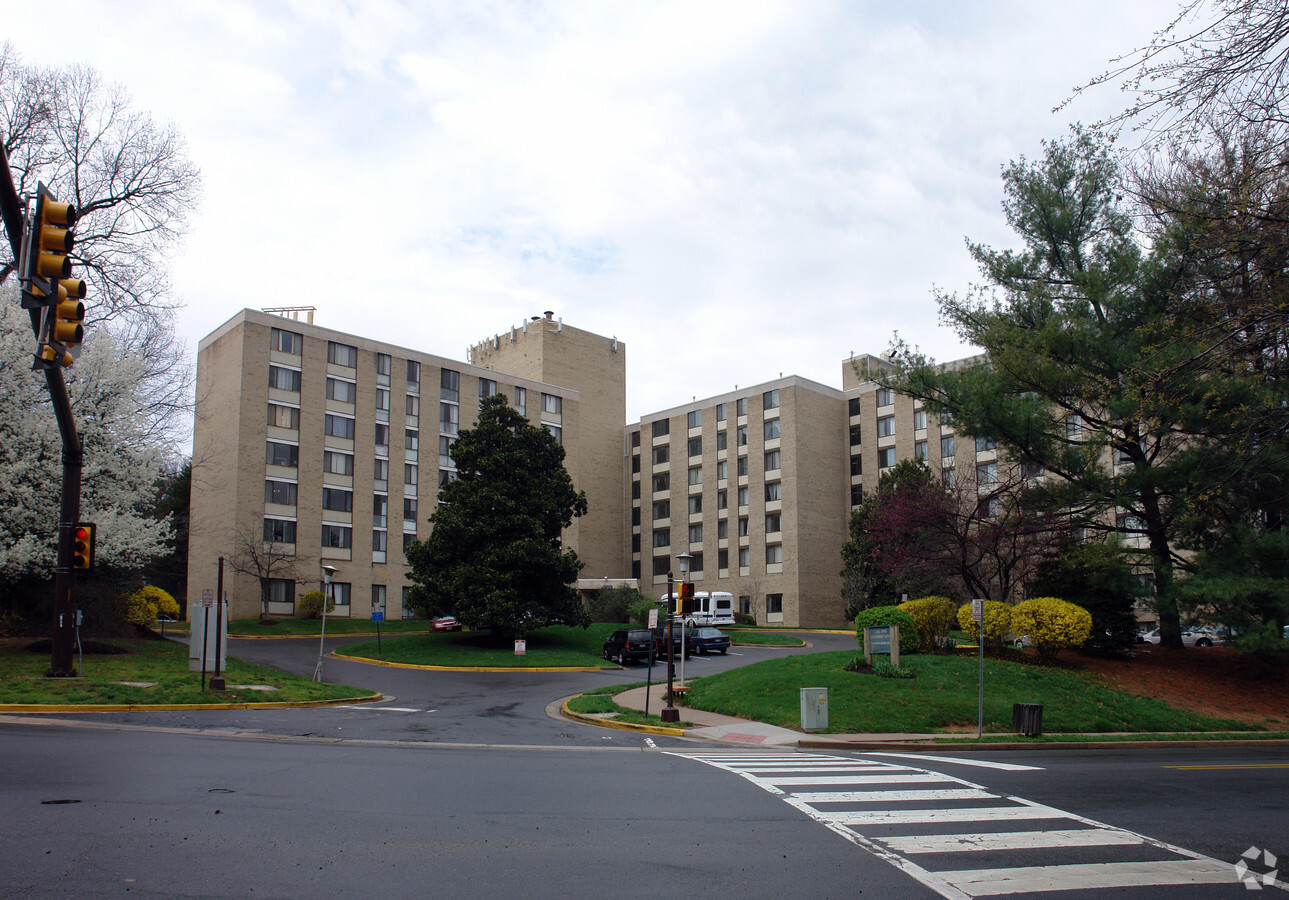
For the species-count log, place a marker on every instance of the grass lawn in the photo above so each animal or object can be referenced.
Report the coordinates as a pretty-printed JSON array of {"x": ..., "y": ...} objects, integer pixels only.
[
  {"x": 763, "y": 638},
  {"x": 555, "y": 647},
  {"x": 941, "y": 696},
  {"x": 600, "y": 701},
  {"x": 164, "y": 664}
]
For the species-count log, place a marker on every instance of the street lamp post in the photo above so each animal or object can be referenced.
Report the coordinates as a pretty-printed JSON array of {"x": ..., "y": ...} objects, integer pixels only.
[
  {"x": 327, "y": 572},
  {"x": 669, "y": 712}
]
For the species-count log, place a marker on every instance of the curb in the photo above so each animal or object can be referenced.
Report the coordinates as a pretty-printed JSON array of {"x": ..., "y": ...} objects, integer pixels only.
[
  {"x": 178, "y": 707},
  {"x": 620, "y": 726},
  {"x": 1035, "y": 745},
  {"x": 394, "y": 665}
]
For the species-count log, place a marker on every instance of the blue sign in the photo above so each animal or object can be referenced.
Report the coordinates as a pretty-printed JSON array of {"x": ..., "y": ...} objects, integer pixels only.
[
  {"x": 378, "y": 617},
  {"x": 879, "y": 639}
]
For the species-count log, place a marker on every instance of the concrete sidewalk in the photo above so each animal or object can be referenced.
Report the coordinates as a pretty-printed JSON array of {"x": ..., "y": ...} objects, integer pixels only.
[{"x": 731, "y": 730}]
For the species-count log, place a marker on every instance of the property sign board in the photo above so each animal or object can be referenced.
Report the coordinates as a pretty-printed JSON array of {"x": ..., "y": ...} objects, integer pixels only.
[
  {"x": 977, "y": 610},
  {"x": 521, "y": 647},
  {"x": 208, "y": 598},
  {"x": 879, "y": 639}
]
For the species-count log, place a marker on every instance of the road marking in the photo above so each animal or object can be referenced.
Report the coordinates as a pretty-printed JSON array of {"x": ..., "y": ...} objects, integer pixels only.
[
  {"x": 907, "y": 818},
  {"x": 382, "y": 708},
  {"x": 1235, "y": 766},
  {"x": 959, "y": 761}
]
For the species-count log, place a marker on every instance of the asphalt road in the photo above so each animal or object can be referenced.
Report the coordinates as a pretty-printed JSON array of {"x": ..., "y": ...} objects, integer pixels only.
[{"x": 477, "y": 791}]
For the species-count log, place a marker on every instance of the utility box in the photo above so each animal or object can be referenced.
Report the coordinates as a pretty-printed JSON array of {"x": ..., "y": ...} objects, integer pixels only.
[
  {"x": 203, "y": 628},
  {"x": 814, "y": 709},
  {"x": 1027, "y": 719}
]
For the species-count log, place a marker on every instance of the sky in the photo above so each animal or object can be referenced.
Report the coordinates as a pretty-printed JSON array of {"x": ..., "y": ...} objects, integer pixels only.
[{"x": 736, "y": 190}]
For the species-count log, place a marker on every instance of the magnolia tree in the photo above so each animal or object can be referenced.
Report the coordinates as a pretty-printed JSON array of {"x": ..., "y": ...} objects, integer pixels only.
[{"x": 122, "y": 459}]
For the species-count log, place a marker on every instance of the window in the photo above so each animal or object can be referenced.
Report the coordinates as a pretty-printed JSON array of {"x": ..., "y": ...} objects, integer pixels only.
[
  {"x": 722, "y": 470},
  {"x": 856, "y": 465},
  {"x": 337, "y": 500},
  {"x": 342, "y": 354},
  {"x": 337, "y": 463},
  {"x": 771, "y": 429},
  {"x": 450, "y": 385},
  {"x": 742, "y": 496},
  {"x": 661, "y": 565},
  {"x": 285, "y": 341},
  {"x": 856, "y": 494},
  {"x": 339, "y": 426},
  {"x": 773, "y": 491},
  {"x": 772, "y": 460},
  {"x": 742, "y": 526},
  {"x": 552, "y": 403},
  {"x": 346, "y": 391},
  {"x": 662, "y": 537},
  {"x": 946, "y": 446},
  {"x": 855, "y": 436},
  {"x": 279, "y": 531},
  {"x": 449, "y": 418},
  {"x": 282, "y": 492},
  {"x": 384, "y": 365},
  {"x": 695, "y": 504},
  {"x": 1029, "y": 470},
  {"x": 382, "y": 434},
  {"x": 662, "y": 482},
  {"x": 446, "y": 442},
  {"x": 521, "y": 400},
  {"x": 635, "y": 490},
  {"x": 886, "y": 457},
  {"x": 696, "y": 446},
  {"x": 378, "y": 598},
  {"x": 487, "y": 387},
  {"x": 635, "y": 516},
  {"x": 885, "y": 396},
  {"x": 339, "y": 536},
  {"x": 382, "y": 403},
  {"x": 340, "y": 592},
  {"x": 773, "y": 554},
  {"x": 770, "y": 399},
  {"x": 695, "y": 419},
  {"x": 744, "y": 557},
  {"x": 1073, "y": 427},
  {"x": 985, "y": 443},
  {"x": 409, "y": 512},
  {"x": 919, "y": 419},
  {"x": 635, "y": 463},
  {"x": 723, "y": 529},
  {"x": 412, "y": 439},
  {"x": 722, "y": 559},
  {"x": 696, "y": 564},
  {"x": 742, "y": 465},
  {"x": 409, "y": 473},
  {"x": 853, "y": 406},
  {"x": 919, "y": 449},
  {"x": 696, "y": 533},
  {"x": 635, "y": 543},
  {"x": 413, "y": 376},
  {"x": 635, "y": 439},
  {"x": 379, "y": 510},
  {"x": 662, "y": 510},
  {"x": 740, "y": 406},
  {"x": 695, "y": 475},
  {"x": 886, "y": 426},
  {"x": 284, "y": 379},
  {"x": 722, "y": 440},
  {"x": 446, "y": 477},
  {"x": 379, "y": 543},
  {"x": 987, "y": 508},
  {"x": 408, "y": 538},
  {"x": 557, "y": 431},
  {"x": 720, "y": 412},
  {"x": 380, "y": 475},
  {"x": 987, "y": 473},
  {"x": 774, "y": 604},
  {"x": 281, "y": 590},
  {"x": 773, "y": 523},
  {"x": 949, "y": 477},
  {"x": 284, "y": 416},
  {"x": 279, "y": 454},
  {"x": 661, "y": 427},
  {"x": 661, "y": 454},
  {"x": 413, "y": 406},
  {"x": 722, "y": 499}
]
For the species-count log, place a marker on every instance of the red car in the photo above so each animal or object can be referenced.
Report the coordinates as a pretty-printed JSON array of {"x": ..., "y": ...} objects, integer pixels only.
[{"x": 446, "y": 623}]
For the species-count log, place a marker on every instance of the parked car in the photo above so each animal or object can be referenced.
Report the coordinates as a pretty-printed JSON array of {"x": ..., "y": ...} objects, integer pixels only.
[
  {"x": 446, "y": 623},
  {"x": 626, "y": 646},
  {"x": 1191, "y": 637},
  {"x": 708, "y": 640},
  {"x": 679, "y": 642}
]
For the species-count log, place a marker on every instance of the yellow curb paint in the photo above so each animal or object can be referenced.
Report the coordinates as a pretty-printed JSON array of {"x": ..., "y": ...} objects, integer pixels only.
[
  {"x": 620, "y": 726},
  {"x": 396, "y": 665}
]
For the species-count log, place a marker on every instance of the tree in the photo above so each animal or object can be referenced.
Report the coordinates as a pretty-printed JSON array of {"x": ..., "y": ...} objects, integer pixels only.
[
  {"x": 122, "y": 458},
  {"x": 1097, "y": 576},
  {"x": 494, "y": 557},
  {"x": 1067, "y": 384},
  {"x": 173, "y": 491},
  {"x": 264, "y": 561}
]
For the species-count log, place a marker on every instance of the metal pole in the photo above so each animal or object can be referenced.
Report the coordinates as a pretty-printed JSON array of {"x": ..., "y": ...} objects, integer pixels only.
[
  {"x": 669, "y": 712},
  {"x": 217, "y": 682},
  {"x": 980, "y": 691},
  {"x": 326, "y": 597}
]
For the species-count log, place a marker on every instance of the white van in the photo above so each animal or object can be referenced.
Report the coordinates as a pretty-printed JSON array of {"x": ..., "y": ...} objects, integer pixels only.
[{"x": 710, "y": 608}]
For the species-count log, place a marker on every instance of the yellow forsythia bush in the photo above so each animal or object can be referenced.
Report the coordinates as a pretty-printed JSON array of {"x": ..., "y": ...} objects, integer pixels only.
[
  {"x": 310, "y": 605},
  {"x": 934, "y": 616},
  {"x": 1052, "y": 624},
  {"x": 998, "y": 621},
  {"x": 147, "y": 603}
]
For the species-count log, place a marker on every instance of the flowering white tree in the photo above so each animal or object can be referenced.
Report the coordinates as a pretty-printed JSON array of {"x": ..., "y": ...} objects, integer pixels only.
[{"x": 124, "y": 451}]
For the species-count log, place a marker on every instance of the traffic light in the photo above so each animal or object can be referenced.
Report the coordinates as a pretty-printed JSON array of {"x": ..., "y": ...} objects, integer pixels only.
[
  {"x": 83, "y": 546},
  {"x": 46, "y": 271},
  {"x": 686, "y": 598}
]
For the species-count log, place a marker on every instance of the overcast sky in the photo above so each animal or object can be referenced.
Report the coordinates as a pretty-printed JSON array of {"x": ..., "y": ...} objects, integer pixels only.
[{"x": 734, "y": 189}]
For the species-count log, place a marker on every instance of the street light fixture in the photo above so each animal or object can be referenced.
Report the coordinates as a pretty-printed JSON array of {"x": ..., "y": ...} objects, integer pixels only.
[
  {"x": 327, "y": 572},
  {"x": 669, "y": 712}
]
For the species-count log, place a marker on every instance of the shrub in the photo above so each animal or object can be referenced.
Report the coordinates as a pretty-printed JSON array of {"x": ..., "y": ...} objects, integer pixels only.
[
  {"x": 742, "y": 618},
  {"x": 934, "y": 616},
  {"x": 613, "y": 604},
  {"x": 311, "y": 604},
  {"x": 1051, "y": 624},
  {"x": 882, "y": 668},
  {"x": 147, "y": 603},
  {"x": 888, "y": 615},
  {"x": 640, "y": 609},
  {"x": 998, "y": 621}
]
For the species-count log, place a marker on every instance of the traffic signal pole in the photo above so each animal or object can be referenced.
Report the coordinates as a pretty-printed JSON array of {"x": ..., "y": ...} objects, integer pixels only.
[{"x": 64, "y": 624}]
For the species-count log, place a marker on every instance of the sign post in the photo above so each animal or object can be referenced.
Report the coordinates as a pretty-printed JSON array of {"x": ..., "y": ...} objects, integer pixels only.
[
  {"x": 978, "y": 616},
  {"x": 378, "y": 616}
]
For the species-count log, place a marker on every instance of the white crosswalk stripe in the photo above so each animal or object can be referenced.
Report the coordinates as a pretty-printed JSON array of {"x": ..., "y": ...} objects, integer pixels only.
[{"x": 897, "y": 812}]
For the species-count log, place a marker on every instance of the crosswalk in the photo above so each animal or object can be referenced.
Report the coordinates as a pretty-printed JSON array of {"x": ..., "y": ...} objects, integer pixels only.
[{"x": 961, "y": 839}]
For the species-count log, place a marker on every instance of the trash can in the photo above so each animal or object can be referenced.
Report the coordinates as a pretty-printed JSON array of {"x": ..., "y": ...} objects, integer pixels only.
[
  {"x": 814, "y": 709},
  {"x": 1027, "y": 719}
]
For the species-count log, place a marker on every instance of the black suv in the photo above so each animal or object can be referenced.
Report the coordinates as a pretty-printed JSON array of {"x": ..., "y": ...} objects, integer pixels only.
[{"x": 628, "y": 646}]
